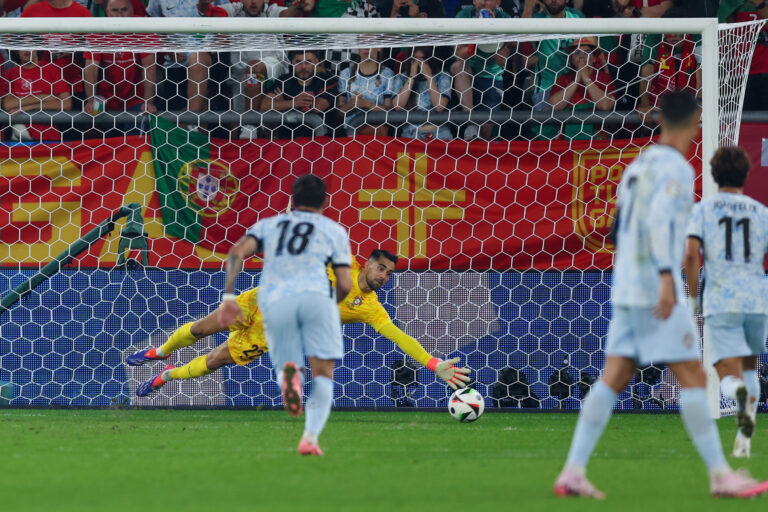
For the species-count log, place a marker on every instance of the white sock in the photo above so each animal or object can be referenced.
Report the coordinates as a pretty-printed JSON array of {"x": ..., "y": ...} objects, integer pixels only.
[
  {"x": 729, "y": 384},
  {"x": 702, "y": 428},
  {"x": 160, "y": 353},
  {"x": 753, "y": 388},
  {"x": 318, "y": 407},
  {"x": 166, "y": 376},
  {"x": 593, "y": 418}
]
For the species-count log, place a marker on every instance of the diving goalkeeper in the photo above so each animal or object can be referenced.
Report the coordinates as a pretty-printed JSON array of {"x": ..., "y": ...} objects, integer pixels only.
[{"x": 246, "y": 339}]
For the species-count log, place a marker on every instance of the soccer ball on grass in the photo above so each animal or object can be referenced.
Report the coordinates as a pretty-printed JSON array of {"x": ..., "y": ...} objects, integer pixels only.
[{"x": 466, "y": 405}]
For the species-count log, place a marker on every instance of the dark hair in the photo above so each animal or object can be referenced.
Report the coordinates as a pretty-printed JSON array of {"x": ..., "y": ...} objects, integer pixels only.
[
  {"x": 678, "y": 108},
  {"x": 319, "y": 54},
  {"x": 309, "y": 190},
  {"x": 730, "y": 166},
  {"x": 378, "y": 253}
]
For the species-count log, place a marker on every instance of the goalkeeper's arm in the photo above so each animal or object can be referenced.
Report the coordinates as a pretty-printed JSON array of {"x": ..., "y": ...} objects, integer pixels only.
[{"x": 455, "y": 377}]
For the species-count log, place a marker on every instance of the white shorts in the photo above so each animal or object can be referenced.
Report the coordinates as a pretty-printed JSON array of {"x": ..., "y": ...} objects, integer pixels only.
[
  {"x": 302, "y": 325},
  {"x": 637, "y": 334},
  {"x": 735, "y": 334}
]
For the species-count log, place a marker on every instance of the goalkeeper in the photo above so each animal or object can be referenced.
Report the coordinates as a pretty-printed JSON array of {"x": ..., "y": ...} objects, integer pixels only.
[{"x": 246, "y": 339}]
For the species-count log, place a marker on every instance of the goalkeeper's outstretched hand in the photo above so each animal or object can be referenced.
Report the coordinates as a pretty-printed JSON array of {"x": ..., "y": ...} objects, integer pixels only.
[{"x": 455, "y": 377}]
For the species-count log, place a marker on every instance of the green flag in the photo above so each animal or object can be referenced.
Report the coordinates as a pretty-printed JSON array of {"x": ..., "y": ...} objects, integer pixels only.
[{"x": 179, "y": 156}]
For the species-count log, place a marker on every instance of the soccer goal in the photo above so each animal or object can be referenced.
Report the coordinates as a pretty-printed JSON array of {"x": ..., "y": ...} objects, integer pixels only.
[{"x": 459, "y": 145}]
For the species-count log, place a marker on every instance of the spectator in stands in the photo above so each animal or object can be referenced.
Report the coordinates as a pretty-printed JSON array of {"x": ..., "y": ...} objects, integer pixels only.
[
  {"x": 674, "y": 65},
  {"x": 361, "y": 9},
  {"x": 350, "y": 8},
  {"x": 197, "y": 63},
  {"x": 33, "y": 86},
  {"x": 411, "y": 8},
  {"x": 99, "y": 8},
  {"x": 583, "y": 87},
  {"x": 549, "y": 57},
  {"x": 252, "y": 69},
  {"x": 756, "y": 97},
  {"x": 128, "y": 79},
  {"x": 642, "y": 8},
  {"x": 308, "y": 91},
  {"x": 367, "y": 86},
  {"x": 478, "y": 70},
  {"x": 70, "y": 63},
  {"x": 13, "y": 8},
  {"x": 422, "y": 88}
]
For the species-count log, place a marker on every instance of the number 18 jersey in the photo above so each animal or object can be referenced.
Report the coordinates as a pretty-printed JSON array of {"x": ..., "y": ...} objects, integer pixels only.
[
  {"x": 297, "y": 248},
  {"x": 733, "y": 231}
]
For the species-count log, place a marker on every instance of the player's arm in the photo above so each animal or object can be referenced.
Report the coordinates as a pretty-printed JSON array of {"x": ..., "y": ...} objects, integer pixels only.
[
  {"x": 454, "y": 377},
  {"x": 691, "y": 266},
  {"x": 230, "y": 311},
  {"x": 341, "y": 261},
  {"x": 692, "y": 260},
  {"x": 343, "y": 281}
]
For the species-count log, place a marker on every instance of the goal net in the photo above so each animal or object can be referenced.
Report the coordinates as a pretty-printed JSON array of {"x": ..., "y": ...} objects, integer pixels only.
[{"x": 484, "y": 153}]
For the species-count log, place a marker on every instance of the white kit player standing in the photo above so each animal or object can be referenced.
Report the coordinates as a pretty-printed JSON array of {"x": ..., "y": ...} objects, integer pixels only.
[
  {"x": 730, "y": 231},
  {"x": 651, "y": 321},
  {"x": 296, "y": 299}
]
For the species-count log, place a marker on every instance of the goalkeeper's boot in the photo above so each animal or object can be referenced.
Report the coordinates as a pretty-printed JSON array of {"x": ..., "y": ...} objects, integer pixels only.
[
  {"x": 742, "y": 446},
  {"x": 292, "y": 389},
  {"x": 574, "y": 483},
  {"x": 736, "y": 484},
  {"x": 144, "y": 356},
  {"x": 746, "y": 423},
  {"x": 153, "y": 384},
  {"x": 307, "y": 447}
]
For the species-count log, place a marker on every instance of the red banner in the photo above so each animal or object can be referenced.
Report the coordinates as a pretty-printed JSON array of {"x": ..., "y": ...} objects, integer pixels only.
[
  {"x": 440, "y": 205},
  {"x": 754, "y": 139}
]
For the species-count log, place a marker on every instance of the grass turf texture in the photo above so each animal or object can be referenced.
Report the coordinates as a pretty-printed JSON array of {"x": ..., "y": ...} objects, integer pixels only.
[{"x": 145, "y": 460}]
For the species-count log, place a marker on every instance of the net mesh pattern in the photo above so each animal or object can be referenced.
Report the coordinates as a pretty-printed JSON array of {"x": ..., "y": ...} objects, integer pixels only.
[{"x": 491, "y": 174}]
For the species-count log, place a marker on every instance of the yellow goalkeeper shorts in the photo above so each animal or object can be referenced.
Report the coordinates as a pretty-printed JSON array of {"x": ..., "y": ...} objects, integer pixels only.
[{"x": 246, "y": 339}]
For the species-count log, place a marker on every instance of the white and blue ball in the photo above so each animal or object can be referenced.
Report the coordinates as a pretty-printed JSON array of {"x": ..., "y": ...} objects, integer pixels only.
[{"x": 466, "y": 405}]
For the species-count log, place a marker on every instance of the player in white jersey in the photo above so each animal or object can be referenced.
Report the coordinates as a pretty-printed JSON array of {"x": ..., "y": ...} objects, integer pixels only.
[
  {"x": 297, "y": 301},
  {"x": 730, "y": 231},
  {"x": 651, "y": 321}
]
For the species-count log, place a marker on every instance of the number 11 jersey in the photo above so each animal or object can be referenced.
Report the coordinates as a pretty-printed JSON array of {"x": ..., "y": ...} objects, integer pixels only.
[
  {"x": 655, "y": 198},
  {"x": 733, "y": 231},
  {"x": 297, "y": 248}
]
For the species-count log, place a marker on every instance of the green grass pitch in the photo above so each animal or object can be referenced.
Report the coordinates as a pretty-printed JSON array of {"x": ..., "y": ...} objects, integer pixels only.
[{"x": 219, "y": 460}]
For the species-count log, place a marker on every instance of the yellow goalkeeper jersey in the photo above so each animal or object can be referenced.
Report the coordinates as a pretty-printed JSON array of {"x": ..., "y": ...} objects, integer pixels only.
[{"x": 360, "y": 306}]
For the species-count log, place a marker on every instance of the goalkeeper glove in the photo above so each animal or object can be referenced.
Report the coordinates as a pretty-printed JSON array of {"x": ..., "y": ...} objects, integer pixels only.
[
  {"x": 455, "y": 377},
  {"x": 694, "y": 303}
]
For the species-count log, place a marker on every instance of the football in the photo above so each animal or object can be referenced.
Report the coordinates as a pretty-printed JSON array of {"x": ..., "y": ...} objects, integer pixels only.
[{"x": 466, "y": 405}]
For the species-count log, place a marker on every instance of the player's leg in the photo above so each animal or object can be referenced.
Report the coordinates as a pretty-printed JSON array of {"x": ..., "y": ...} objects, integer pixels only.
[
  {"x": 184, "y": 336},
  {"x": 189, "y": 333},
  {"x": 281, "y": 327},
  {"x": 595, "y": 413},
  {"x": 695, "y": 412},
  {"x": 319, "y": 404},
  {"x": 731, "y": 334},
  {"x": 742, "y": 445},
  {"x": 621, "y": 353},
  {"x": 755, "y": 331},
  {"x": 323, "y": 344},
  {"x": 198, "y": 367}
]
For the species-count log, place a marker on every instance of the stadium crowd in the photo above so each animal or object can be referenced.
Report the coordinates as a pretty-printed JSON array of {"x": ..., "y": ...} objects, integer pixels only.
[{"x": 331, "y": 93}]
